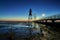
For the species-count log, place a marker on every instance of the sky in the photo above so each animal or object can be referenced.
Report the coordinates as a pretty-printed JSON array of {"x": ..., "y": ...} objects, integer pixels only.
[{"x": 19, "y": 9}]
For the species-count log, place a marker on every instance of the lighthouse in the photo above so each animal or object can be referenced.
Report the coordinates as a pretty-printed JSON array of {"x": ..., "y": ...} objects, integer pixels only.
[{"x": 30, "y": 15}]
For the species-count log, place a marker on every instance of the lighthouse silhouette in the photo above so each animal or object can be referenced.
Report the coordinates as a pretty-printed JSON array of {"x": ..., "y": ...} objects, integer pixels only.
[{"x": 30, "y": 15}]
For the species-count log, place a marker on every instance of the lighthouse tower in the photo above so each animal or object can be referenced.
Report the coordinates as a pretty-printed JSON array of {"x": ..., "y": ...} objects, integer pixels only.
[{"x": 30, "y": 15}]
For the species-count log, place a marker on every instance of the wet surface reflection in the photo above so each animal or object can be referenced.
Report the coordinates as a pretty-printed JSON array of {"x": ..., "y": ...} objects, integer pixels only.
[
  {"x": 24, "y": 31},
  {"x": 48, "y": 33}
]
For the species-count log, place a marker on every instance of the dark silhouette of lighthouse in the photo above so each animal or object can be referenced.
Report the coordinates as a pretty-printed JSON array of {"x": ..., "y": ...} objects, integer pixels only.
[{"x": 30, "y": 15}]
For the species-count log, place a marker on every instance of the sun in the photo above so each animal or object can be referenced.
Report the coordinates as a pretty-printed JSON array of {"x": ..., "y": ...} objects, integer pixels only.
[{"x": 43, "y": 15}]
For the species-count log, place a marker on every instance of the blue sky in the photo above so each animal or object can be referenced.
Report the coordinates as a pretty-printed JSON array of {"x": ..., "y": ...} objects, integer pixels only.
[{"x": 19, "y": 9}]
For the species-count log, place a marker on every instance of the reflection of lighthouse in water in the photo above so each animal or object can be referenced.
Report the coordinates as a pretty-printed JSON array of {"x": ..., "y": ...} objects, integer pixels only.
[{"x": 30, "y": 15}]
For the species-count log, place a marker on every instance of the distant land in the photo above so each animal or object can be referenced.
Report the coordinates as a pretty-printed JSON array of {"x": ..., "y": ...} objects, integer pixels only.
[{"x": 12, "y": 21}]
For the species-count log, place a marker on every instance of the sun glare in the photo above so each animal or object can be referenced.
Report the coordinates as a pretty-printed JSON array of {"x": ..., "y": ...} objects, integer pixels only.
[{"x": 43, "y": 15}]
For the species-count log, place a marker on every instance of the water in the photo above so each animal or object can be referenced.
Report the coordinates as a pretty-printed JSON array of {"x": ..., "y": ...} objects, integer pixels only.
[
  {"x": 24, "y": 31},
  {"x": 16, "y": 30}
]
